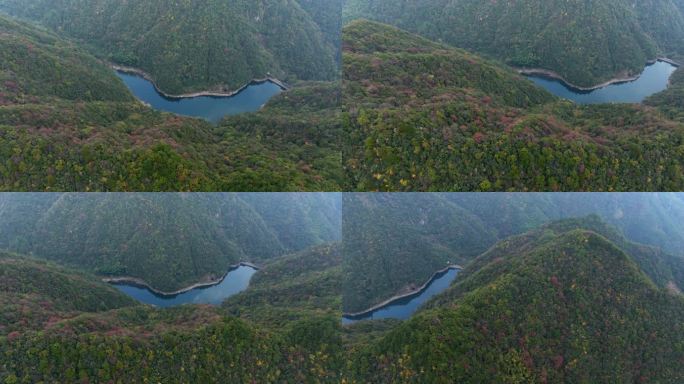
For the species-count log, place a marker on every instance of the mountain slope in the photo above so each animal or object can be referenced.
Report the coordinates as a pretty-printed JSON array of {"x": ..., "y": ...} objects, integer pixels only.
[
  {"x": 194, "y": 46},
  {"x": 37, "y": 63},
  {"x": 302, "y": 285},
  {"x": 671, "y": 100},
  {"x": 68, "y": 124},
  {"x": 169, "y": 240},
  {"x": 394, "y": 242},
  {"x": 66, "y": 326},
  {"x": 424, "y": 117},
  {"x": 35, "y": 294},
  {"x": 546, "y": 310},
  {"x": 586, "y": 42}
]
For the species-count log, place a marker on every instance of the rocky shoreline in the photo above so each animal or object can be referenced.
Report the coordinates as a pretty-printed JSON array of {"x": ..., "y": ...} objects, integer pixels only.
[
  {"x": 140, "y": 283},
  {"x": 617, "y": 80},
  {"x": 403, "y": 295},
  {"x": 146, "y": 76}
]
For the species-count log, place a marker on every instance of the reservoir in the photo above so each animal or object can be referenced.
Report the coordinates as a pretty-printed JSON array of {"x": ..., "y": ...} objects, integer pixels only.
[
  {"x": 653, "y": 79},
  {"x": 235, "y": 281},
  {"x": 212, "y": 108},
  {"x": 404, "y": 307}
]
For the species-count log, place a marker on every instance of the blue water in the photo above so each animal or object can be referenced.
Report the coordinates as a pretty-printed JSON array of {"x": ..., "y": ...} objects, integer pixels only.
[
  {"x": 236, "y": 281},
  {"x": 653, "y": 79},
  {"x": 405, "y": 307},
  {"x": 211, "y": 108}
]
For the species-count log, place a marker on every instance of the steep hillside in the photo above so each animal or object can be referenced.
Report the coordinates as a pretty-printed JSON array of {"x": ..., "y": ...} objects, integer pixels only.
[
  {"x": 38, "y": 64},
  {"x": 586, "y": 42},
  {"x": 180, "y": 345},
  {"x": 540, "y": 308},
  {"x": 35, "y": 294},
  {"x": 58, "y": 145},
  {"x": 424, "y": 117},
  {"x": 193, "y": 46},
  {"x": 298, "y": 286},
  {"x": 64, "y": 326},
  {"x": 394, "y": 242},
  {"x": 169, "y": 240},
  {"x": 69, "y": 124},
  {"x": 671, "y": 101},
  {"x": 327, "y": 14}
]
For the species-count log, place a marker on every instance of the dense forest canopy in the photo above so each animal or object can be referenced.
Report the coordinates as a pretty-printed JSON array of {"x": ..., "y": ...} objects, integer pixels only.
[
  {"x": 586, "y": 42},
  {"x": 100, "y": 335},
  {"x": 170, "y": 241},
  {"x": 539, "y": 299},
  {"x": 396, "y": 241},
  {"x": 189, "y": 46},
  {"x": 569, "y": 300},
  {"x": 420, "y": 116},
  {"x": 68, "y": 124},
  {"x": 553, "y": 305}
]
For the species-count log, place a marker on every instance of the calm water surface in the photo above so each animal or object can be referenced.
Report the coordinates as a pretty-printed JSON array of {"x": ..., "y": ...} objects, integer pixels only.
[
  {"x": 654, "y": 79},
  {"x": 236, "y": 281},
  {"x": 403, "y": 308},
  {"x": 210, "y": 108}
]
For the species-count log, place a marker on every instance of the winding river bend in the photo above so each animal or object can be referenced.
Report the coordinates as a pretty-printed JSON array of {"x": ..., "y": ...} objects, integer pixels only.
[
  {"x": 235, "y": 281},
  {"x": 655, "y": 78},
  {"x": 212, "y": 108},
  {"x": 402, "y": 308}
]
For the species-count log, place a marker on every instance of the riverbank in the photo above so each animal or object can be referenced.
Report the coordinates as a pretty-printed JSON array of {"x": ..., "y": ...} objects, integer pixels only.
[
  {"x": 617, "y": 80},
  {"x": 140, "y": 283},
  {"x": 146, "y": 76},
  {"x": 403, "y": 295}
]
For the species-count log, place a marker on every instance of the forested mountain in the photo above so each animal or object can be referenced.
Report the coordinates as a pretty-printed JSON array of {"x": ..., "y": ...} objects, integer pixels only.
[
  {"x": 571, "y": 300},
  {"x": 586, "y": 42},
  {"x": 35, "y": 294},
  {"x": 68, "y": 124},
  {"x": 200, "y": 45},
  {"x": 36, "y": 63},
  {"x": 549, "y": 306},
  {"x": 300, "y": 286},
  {"x": 168, "y": 240},
  {"x": 84, "y": 343},
  {"x": 425, "y": 117},
  {"x": 394, "y": 242},
  {"x": 671, "y": 101}
]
